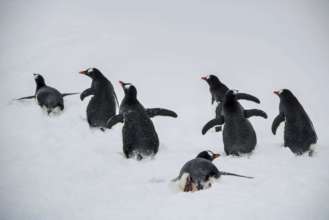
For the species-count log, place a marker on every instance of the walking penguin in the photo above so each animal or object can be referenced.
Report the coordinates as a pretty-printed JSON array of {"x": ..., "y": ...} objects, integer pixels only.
[
  {"x": 138, "y": 133},
  {"x": 218, "y": 89},
  {"x": 299, "y": 133},
  {"x": 47, "y": 97},
  {"x": 239, "y": 135},
  {"x": 102, "y": 106}
]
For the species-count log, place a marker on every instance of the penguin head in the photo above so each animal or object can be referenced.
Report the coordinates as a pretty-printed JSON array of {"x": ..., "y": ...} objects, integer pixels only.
[
  {"x": 212, "y": 80},
  {"x": 39, "y": 80},
  {"x": 129, "y": 90},
  {"x": 92, "y": 72},
  {"x": 230, "y": 96},
  {"x": 285, "y": 95},
  {"x": 208, "y": 155}
]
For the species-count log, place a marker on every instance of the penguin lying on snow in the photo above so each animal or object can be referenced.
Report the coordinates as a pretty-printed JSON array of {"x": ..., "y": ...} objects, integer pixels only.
[
  {"x": 139, "y": 136},
  {"x": 47, "y": 97},
  {"x": 218, "y": 89},
  {"x": 102, "y": 105},
  {"x": 239, "y": 136},
  {"x": 299, "y": 133},
  {"x": 199, "y": 173}
]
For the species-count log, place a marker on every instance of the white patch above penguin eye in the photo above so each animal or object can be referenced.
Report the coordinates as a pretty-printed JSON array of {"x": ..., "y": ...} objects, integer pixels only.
[
  {"x": 36, "y": 76},
  {"x": 211, "y": 154},
  {"x": 90, "y": 70},
  {"x": 280, "y": 91},
  {"x": 127, "y": 86}
]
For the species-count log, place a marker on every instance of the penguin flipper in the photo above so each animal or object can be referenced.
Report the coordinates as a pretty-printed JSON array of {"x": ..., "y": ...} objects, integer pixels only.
[
  {"x": 86, "y": 93},
  {"x": 67, "y": 94},
  {"x": 151, "y": 112},
  {"x": 114, "y": 120},
  {"x": 233, "y": 174},
  {"x": 212, "y": 99},
  {"x": 26, "y": 97},
  {"x": 212, "y": 123},
  {"x": 277, "y": 121},
  {"x": 246, "y": 96},
  {"x": 254, "y": 112}
]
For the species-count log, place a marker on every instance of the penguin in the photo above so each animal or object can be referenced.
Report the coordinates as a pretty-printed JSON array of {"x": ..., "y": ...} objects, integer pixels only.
[
  {"x": 218, "y": 89},
  {"x": 199, "y": 173},
  {"x": 139, "y": 136},
  {"x": 238, "y": 134},
  {"x": 103, "y": 105},
  {"x": 299, "y": 133},
  {"x": 47, "y": 97}
]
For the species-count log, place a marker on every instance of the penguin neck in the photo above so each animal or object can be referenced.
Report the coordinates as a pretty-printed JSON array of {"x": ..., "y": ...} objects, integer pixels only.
[
  {"x": 219, "y": 91},
  {"x": 130, "y": 100},
  {"x": 230, "y": 104},
  {"x": 40, "y": 84}
]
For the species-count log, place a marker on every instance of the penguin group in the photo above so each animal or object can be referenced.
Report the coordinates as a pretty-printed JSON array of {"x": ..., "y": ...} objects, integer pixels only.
[{"x": 139, "y": 136}]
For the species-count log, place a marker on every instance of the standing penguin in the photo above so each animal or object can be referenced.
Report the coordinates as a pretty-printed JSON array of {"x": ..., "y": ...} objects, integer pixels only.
[
  {"x": 299, "y": 133},
  {"x": 199, "y": 173},
  {"x": 218, "y": 89},
  {"x": 47, "y": 97},
  {"x": 138, "y": 133},
  {"x": 102, "y": 105},
  {"x": 239, "y": 136}
]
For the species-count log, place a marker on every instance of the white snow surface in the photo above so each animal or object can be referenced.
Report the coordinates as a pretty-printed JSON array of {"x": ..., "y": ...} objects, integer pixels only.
[{"x": 54, "y": 168}]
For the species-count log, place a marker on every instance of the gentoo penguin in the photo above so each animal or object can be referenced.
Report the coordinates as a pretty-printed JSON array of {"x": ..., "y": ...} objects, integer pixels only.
[
  {"x": 47, "y": 97},
  {"x": 102, "y": 106},
  {"x": 200, "y": 172},
  {"x": 299, "y": 133},
  {"x": 218, "y": 89},
  {"x": 139, "y": 136},
  {"x": 238, "y": 135}
]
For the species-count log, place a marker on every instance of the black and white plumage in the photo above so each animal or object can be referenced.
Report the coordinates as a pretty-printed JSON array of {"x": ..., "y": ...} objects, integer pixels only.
[
  {"x": 239, "y": 135},
  {"x": 47, "y": 97},
  {"x": 139, "y": 136},
  {"x": 299, "y": 133},
  {"x": 199, "y": 173},
  {"x": 218, "y": 90},
  {"x": 102, "y": 106}
]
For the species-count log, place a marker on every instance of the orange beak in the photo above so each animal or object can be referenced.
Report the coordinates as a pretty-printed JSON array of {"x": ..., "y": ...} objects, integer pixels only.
[
  {"x": 215, "y": 156},
  {"x": 83, "y": 72}
]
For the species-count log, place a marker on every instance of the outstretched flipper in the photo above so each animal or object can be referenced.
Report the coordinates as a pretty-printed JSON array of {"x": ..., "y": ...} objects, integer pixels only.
[
  {"x": 254, "y": 112},
  {"x": 27, "y": 97},
  {"x": 246, "y": 96},
  {"x": 212, "y": 123},
  {"x": 86, "y": 93},
  {"x": 67, "y": 94},
  {"x": 151, "y": 112},
  {"x": 277, "y": 121},
  {"x": 114, "y": 120},
  {"x": 233, "y": 174}
]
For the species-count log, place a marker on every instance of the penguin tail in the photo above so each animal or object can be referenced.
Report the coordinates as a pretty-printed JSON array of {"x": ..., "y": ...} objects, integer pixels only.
[
  {"x": 234, "y": 174},
  {"x": 67, "y": 94}
]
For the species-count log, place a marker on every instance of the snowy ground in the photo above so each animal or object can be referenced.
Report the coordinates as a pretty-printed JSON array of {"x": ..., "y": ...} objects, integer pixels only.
[{"x": 57, "y": 168}]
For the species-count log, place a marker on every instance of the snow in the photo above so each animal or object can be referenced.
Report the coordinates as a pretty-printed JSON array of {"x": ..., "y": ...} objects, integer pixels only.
[{"x": 57, "y": 168}]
